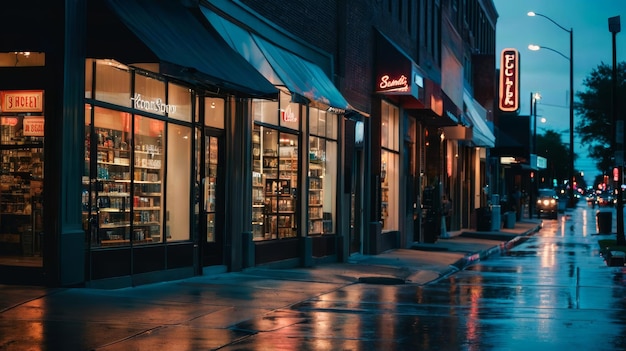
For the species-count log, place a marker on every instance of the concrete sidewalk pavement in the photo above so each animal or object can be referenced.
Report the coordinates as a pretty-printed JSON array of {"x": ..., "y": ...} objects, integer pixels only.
[{"x": 164, "y": 313}]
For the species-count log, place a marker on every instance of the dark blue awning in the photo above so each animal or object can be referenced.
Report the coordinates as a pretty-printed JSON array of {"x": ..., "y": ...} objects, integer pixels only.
[
  {"x": 177, "y": 37},
  {"x": 279, "y": 66}
]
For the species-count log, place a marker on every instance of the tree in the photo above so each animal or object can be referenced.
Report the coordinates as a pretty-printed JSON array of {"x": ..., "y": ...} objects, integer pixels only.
[
  {"x": 550, "y": 146},
  {"x": 595, "y": 125}
]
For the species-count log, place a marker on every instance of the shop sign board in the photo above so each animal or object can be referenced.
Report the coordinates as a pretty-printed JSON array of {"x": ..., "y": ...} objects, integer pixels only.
[
  {"x": 21, "y": 100},
  {"x": 34, "y": 126},
  {"x": 509, "y": 80}
]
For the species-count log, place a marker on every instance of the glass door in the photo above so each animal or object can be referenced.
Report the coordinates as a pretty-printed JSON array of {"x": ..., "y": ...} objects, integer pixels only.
[{"x": 212, "y": 198}]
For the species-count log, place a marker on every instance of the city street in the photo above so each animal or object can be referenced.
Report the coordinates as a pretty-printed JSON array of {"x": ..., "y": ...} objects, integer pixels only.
[{"x": 550, "y": 291}]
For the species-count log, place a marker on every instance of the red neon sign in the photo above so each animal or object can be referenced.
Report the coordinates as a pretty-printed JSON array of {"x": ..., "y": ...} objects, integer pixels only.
[{"x": 509, "y": 80}]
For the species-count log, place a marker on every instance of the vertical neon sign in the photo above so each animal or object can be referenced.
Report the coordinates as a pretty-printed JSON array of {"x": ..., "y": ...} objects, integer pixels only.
[{"x": 509, "y": 80}]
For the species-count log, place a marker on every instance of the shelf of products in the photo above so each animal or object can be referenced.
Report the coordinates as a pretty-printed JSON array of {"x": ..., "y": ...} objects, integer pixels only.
[
  {"x": 126, "y": 199},
  {"x": 279, "y": 209},
  {"x": 316, "y": 196},
  {"x": 21, "y": 200},
  {"x": 274, "y": 176}
]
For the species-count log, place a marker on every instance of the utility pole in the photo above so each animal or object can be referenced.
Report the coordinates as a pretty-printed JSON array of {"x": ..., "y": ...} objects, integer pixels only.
[{"x": 618, "y": 123}]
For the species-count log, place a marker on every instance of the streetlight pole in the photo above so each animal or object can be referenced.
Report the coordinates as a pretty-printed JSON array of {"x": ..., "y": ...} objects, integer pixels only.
[
  {"x": 618, "y": 124},
  {"x": 533, "y": 115},
  {"x": 572, "y": 177}
]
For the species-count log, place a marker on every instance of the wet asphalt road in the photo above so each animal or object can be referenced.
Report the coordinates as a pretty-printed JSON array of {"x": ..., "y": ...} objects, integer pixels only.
[{"x": 551, "y": 292}]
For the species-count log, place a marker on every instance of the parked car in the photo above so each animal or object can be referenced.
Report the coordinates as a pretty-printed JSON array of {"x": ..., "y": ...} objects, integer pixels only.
[{"x": 547, "y": 203}]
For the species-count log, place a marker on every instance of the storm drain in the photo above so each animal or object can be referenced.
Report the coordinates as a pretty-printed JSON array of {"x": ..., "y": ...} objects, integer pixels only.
[{"x": 381, "y": 280}]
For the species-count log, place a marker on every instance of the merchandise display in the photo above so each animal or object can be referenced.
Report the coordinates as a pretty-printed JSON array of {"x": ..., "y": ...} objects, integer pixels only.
[{"x": 126, "y": 196}]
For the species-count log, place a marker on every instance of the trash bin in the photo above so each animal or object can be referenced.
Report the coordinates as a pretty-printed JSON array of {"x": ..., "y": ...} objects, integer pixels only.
[
  {"x": 509, "y": 218},
  {"x": 483, "y": 219},
  {"x": 604, "y": 221}
]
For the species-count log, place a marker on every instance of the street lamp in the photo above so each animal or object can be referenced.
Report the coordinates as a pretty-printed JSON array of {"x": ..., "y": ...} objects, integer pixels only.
[{"x": 571, "y": 100}]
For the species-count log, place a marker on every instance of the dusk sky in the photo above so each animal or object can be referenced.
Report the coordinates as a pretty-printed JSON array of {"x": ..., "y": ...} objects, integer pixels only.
[{"x": 547, "y": 72}]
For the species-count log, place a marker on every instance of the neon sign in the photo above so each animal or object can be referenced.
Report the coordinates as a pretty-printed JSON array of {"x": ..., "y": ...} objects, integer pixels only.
[
  {"x": 22, "y": 100},
  {"x": 386, "y": 83},
  {"x": 509, "y": 80}
]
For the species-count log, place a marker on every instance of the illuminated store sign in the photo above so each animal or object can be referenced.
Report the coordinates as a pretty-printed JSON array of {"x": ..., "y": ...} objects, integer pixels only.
[
  {"x": 389, "y": 84},
  {"x": 287, "y": 115},
  {"x": 33, "y": 126},
  {"x": 155, "y": 106},
  {"x": 22, "y": 100},
  {"x": 509, "y": 80}
]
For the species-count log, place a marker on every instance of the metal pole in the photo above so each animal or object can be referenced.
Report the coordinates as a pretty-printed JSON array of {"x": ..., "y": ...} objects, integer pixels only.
[
  {"x": 614, "y": 28},
  {"x": 533, "y": 185},
  {"x": 571, "y": 118}
]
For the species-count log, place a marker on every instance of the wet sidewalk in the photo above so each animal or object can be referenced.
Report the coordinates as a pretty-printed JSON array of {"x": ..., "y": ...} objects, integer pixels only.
[{"x": 199, "y": 311}]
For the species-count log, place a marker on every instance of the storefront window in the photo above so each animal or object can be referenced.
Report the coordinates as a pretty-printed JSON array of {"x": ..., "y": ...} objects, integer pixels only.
[
  {"x": 124, "y": 179},
  {"x": 275, "y": 183},
  {"x": 179, "y": 102},
  {"x": 22, "y": 59},
  {"x": 107, "y": 189},
  {"x": 322, "y": 171},
  {"x": 289, "y": 112},
  {"x": 21, "y": 178},
  {"x": 265, "y": 111},
  {"x": 150, "y": 95},
  {"x": 178, "y": 182},
  {"x": 389, "y": 172},
  {"x": 112, "y": 82},
  {"x": 210, "y": 184},
  {"x": 214, "y": 113}
]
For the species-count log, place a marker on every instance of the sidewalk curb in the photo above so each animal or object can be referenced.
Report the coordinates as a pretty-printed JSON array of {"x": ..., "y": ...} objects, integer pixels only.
[{"x": 476, "y": 257}]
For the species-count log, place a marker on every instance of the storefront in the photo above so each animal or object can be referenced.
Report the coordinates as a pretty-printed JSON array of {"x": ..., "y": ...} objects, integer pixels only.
[
  {"x": 295, "y": 145},
  {"x": 412, "y": 153},
  {"x": 152, "y": 117},
  {"x": 159, "y": 162}
]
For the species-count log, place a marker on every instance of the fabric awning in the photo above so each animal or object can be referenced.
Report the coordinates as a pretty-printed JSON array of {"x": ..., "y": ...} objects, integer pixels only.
[
  {"x": 176, "y": 37},
  {"x": 279, "y": 66},
  {"x": 477, "y": 115}
]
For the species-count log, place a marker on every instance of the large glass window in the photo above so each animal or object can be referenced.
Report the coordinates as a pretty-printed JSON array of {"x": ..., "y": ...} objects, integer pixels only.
[
  {"x": 125, "y": 158},
  {"x": 112, "y": 82},
  {"x": 214, "y": 112},
  {"x": 126, "y": 184},
  {"x": 322, "y": 171},
  {"x": 210, "y": 184},
  {"x": 179, "y": 102},
  {"x": 389, "y": 172},
  {"x": 147, "y": 180},
  {"x": 21, "y": 178},
  {"x": 275, "y": 183},
  {"x": 179, "y": 182}
]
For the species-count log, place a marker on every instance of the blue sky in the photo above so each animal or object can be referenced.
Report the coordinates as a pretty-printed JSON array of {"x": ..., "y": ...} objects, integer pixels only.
[{"x": 547, "y": 72}]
